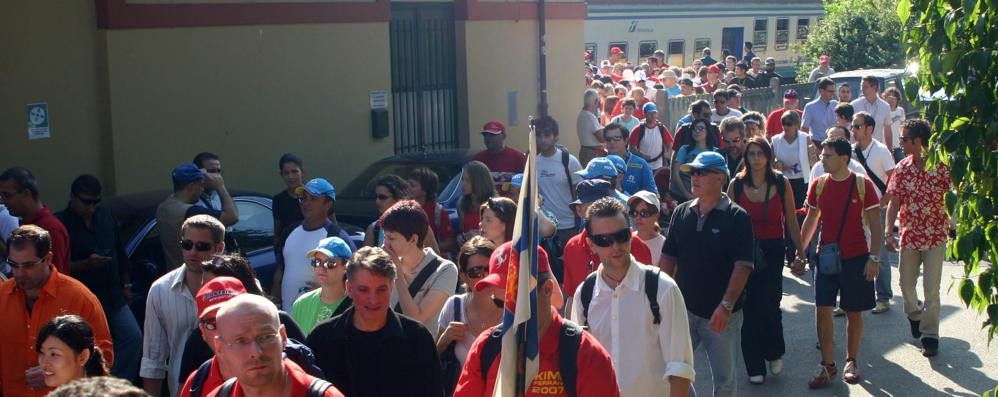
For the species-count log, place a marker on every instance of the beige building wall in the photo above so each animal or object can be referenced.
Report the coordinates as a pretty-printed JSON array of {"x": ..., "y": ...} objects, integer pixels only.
[
  {"x": 53, "y": 52},
  {"x": 249, "y": 94}
]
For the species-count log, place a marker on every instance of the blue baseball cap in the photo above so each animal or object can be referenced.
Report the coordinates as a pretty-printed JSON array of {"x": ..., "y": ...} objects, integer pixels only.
[
  {"x": 707, "y": 161},
  {"x": 186, "y": 173},
  {"x": 649, "y": 107},
  {"x": 591, "y": 190},
  {"x": 598, "y": 167},
  {"x": 517, "y": 180},
  {"x": 333, "y": 247},
  {"x": 318, "y": 187},
  {"x": 618, "y": 163}
]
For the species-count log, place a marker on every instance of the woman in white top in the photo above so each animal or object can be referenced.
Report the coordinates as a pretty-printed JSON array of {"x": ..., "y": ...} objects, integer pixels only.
[
  {"x": 644, "y": 210},
  {"x": 795, "y": 155},
  {"x": 892, "y": 96}
]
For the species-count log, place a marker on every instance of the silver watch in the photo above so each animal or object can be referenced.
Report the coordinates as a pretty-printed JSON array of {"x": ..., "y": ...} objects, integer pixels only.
[
  {"x": 875, "y": 258},
  {"x": 727, "y": 305}
]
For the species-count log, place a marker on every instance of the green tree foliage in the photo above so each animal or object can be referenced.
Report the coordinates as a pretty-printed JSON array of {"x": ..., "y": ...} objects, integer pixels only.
[
  {"x": 856, "y": 34},
  {"x": 954, "y": 43}
]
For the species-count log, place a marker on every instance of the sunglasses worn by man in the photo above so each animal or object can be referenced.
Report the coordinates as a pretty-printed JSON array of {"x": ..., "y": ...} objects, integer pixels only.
[{"x": 607, "y": 239}]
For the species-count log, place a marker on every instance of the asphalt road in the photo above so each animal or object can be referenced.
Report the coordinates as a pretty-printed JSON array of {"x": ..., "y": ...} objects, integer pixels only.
[{"x": 890, "y": 361}]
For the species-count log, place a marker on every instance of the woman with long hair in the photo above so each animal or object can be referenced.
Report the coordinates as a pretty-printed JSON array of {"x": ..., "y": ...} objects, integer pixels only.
[
  {"x": 66, "y": 351},
  {"x": 477, "y": 186},
  {"x": 497, "y": 217},
  {"x": 388, "y": 190},
  {"x": 680, "y": 183},
  {"x": 769, "y": 199}
]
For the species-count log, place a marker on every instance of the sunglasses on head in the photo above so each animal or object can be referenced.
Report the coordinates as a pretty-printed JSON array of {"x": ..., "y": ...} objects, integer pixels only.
[
  {"x": 642, "y": 213},
  {"x": 606, "y": 240},
  {"x": 201, "y": 246},
  {"x": 476, "y": 272},
  {"x": 329, "y": 264}
]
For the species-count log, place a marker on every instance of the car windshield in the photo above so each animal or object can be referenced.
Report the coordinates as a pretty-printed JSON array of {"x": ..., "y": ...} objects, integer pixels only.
[{"x": 363, "y": 185}]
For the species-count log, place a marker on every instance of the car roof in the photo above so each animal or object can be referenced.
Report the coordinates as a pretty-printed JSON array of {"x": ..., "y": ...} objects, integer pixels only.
[
  {"x": 878, "y": 73},
  {"x": 431, "y": 156},
  {"x": 146, "y": 202}
]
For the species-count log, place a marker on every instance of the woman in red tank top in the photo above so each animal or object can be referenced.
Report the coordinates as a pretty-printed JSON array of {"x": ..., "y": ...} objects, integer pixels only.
[{"x": 768, "y": 198}]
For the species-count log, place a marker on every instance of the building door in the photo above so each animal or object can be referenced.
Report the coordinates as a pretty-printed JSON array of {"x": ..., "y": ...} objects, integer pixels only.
[
  {"x": 732, "y": 39},
  {"x": 423, "y": 77}
]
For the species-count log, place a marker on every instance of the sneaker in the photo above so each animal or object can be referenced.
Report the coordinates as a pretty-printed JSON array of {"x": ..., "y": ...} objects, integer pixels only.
[
  {"x": 850, "y": 373},
  {"x": 838, "y": 312},
  {"x": 914, "y": 326},
  {"x": 930, "y": 347},
  {"x": 776, "y": 366},
  {"x": 882, "y": 306},
  {"x": 757, "y": 379},
  {"x": 823, "y": 377}
]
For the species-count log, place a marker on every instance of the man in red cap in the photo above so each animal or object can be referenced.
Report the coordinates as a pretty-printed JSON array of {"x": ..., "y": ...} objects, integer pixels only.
[
  {"x": 713, "y": 79},
  {"x": 790, "y": 102},
  {"x": 503, "y": 161},
  {"x": 822, "y": 70},
  {"x": 616, "y": 55},
  {"x": 593, "y": 370},
  {"x": 210, "y": 297}
]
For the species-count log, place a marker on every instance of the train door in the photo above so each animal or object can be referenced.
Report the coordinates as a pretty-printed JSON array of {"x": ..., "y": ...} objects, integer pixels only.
[{"x": 732, "y": 39}]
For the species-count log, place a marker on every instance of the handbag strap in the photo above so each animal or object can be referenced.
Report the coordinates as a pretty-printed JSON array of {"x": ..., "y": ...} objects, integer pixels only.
[
  {"x": 842, "y": 224},
  {"x": 765, "y": 205}
]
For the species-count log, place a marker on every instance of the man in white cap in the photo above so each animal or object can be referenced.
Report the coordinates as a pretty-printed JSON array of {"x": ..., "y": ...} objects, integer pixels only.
[{"x": 669, "y": 82}]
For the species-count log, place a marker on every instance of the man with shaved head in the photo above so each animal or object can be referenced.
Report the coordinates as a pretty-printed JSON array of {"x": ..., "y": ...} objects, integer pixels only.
[{"x": 250, "y": 334}]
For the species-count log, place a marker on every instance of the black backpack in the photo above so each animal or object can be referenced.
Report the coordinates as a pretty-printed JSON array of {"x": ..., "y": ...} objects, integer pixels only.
[
  {"x": 651, "y": 292},
  {"x": 568, "y": 352},
  {"x": 316, "y": 388}
]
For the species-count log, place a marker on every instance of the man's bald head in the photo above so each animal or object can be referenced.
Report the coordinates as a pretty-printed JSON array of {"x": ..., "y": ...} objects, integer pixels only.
[{"x": 248, "y": 304}]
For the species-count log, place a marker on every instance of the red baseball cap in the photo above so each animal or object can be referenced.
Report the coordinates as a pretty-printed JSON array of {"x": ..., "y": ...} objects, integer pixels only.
[
  {"x": 616, "y": 50},
  {"x": 216, "y": 292},
  {"x": 499, "y": 265},
  {"x": 714, "y": 69},
  {"x": 494, "y": 127}
]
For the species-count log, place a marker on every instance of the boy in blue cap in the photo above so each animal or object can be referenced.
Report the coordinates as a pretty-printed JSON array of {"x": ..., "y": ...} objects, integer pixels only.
[{"x": 328, "y": 261}]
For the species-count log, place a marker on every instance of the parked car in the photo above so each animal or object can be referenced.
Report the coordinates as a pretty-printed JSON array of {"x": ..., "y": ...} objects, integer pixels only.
[
  {"x": 252, "y": 236},
  {"x": 886, "y": 77}
]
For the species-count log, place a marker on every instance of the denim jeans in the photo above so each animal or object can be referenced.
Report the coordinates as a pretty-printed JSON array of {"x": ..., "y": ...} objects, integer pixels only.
[
  {"x": 887, "y": 259},
  {"x": 721, "y": 349},
  {"x": 127, "y": 338}
]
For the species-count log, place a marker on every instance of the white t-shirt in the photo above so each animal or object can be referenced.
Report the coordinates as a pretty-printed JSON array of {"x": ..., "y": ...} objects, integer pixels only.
[
  {"x": 897, "y": 116},
  {"x": 655, "y": 245},
  {"x": 297, "y": 269},
  {"x": 462, "y": 346},
  {"x": 552, "y": 183},
  {"x": 651, "y": 146},
  {"x": 879, "y": 159},
  {"x": 586, "y": 124},
  {"x": 881, "y": 113},
  {"x": 716, "y": 118},
  {"x": 443, "y": 280},
  {"x": 790, "y": 154}
]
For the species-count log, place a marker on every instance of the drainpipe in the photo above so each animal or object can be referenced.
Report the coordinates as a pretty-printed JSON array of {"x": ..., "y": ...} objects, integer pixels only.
[{"x": 542, "y": 104}]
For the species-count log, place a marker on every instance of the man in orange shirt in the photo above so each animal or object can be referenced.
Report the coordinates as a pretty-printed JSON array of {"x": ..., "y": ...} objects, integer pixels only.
[{"x": 35, "y": 294}]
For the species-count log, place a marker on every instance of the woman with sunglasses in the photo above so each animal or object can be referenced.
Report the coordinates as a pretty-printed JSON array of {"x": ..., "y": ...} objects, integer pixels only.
[
  {"x": 477, "y": 186},
  {"x": 328, "y": 261},
  {"x": 644, "y": 211},
  {"x": 680, "y": 183},
  {"x": 794, "y": 154},
  {"x": 498, "y": 214},
  {"x": 388, "y": 190},
  {"x": 66, "y": 351},
  {"x": 772, "y": 209}
]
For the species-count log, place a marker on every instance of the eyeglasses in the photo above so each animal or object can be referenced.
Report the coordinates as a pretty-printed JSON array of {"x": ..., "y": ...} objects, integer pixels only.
[
  {"x": 476, "y": 272},
  {"x": 700, "y": 127},
  {"x": 616, "y": 138},
  {"x": 89, "y": 202},
  {"x": 642, "y": 213},
  {"x": 263, "y": 341},
  {"x": 201, "y": 246},
  {"x": 8, "y": 195},
  {"x": 856, "y": 126},
  {"x": 733, "y": 141},
  {"x": 24, "y": 265},
  {"x": 606, "y": 240},
  {"x": 381, "y": 197},
  {"x": 209, "y": 324},
  {"x": 328, "y": 264}
]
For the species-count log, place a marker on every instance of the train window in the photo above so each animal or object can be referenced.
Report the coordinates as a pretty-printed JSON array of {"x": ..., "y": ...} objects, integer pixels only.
[
  {"x": 591, "y": 49},
  {"x": 803, "y": 25},
  {"x": 699, "y": 45},
  {"x": 760, "y": 38},
  {"x": 618, "y": 44},
  {"x": 676, "y": 53},
  {"x": 782, "y": 34},
  {"x": 647, "y": 48}
]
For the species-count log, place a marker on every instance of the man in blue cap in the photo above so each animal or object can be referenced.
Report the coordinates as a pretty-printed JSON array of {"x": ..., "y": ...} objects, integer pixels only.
[
  {"x": 602, "y": 168},
  {"x": 293, "y": 276},
  {"x": 651, "y": 140},
  {"x": 637, "y": 174},
  {"x": 189, "y": 182},
  {"x": 328, "y": 260},
  {"x": 708, "y": 250}
]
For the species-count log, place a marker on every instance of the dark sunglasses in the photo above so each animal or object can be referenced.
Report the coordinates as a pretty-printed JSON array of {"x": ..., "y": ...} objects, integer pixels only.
[
  {"x": 201, "y": 246},
  {"x": 89, "y": 201},
  {"x": 498, "y": 302},
  {"x": 857, "y": 126},
  {"x": 24, "y": 265},
  {"x": 617, "y": 138},
  {"x": 703, "y": 171},
  {"x": 700, "y": 127},
  {"x": 476, "y": 272},
  {"x": 606, "y": 240},
  {"x": 642, "y": 213},
  {"x": 328, "y": 264},
  {"x": 907, "y": 139},
  {"x": 733, "y": 141},
  {"x": 209, "y": 324},
  {"x": 381, "y": 197}
]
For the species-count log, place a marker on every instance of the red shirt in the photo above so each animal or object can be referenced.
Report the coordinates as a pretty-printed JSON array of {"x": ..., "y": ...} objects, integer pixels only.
[
  {"x": 212, "y": 381},
  {"x": 832, "y": 204},
  {"x": 578, "y": 257},
  {"x": 297, "y": 378},
  {"x": 924, "y": 223},
  {"x": 595, "y": 377},
  {"x": 445, "y": 231},
  {"x": 774, "y": 125},
  {"x": 503, "y": 166},
  {"x": 770, "y": 226},
  {"x": 60, "y": 238}
]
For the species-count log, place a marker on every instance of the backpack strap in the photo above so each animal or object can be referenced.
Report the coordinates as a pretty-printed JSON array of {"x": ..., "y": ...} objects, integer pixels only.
[
  {"x": 490, "y": 350},
  {"x": 437, "y": 215},
  {"x": 568, "y": 177},
  {"x": 736, "y": 188},
  {"x": 873, "y": 177},
  {"x": 569, "y": 341},
  {"x": 317, "y": 387},
  {"x": 588, "y": 286},
  {"x": 651, "y": 292},
  {"x": 458, "y": 314},
  {"x": 225, "y": 390},
  {"x": 199, "y": 377},
  {"x": 417, "y": 283},
  {"x": 822, "y": 180}
]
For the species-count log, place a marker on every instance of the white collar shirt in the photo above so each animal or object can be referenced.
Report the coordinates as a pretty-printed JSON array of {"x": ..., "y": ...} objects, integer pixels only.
[
  {"x": 644, "y": 355},
  {"x": 171, "y": 314}
]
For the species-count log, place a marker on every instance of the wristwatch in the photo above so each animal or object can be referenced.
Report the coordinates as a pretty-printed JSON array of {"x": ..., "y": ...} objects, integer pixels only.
[
  {"x": 727, "y": 305},
  {"x": 875, "y": 258}
]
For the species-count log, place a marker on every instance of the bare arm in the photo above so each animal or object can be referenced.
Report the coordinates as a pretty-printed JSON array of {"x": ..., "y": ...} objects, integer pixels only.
[
  {"x": 153, "y": 386},
  {"x": 810, "y": 223},
  {"x": 790, "y": 216},
  {"x": 893, "y": 206},
  {"x": 889, "y": 136},
  {"x": 668, "y": 265}
]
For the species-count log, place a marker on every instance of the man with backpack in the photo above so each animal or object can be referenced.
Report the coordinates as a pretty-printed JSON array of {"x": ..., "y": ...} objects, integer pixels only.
[
  {"x": 651, "y": 140},
  {"x": 572, "y": 362},
  {"x": 651, "y": 349},
  {"x": 556, "y": 180},
  {"x": 251, "y": 338}
]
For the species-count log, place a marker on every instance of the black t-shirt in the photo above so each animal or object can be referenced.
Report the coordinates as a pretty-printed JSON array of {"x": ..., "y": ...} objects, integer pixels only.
[
  {"x": 102, "y": 239},
  {"x": 365, "y": 348},
  {"x": 706, "y": 254},
  {"x": 286, "y": 209}
]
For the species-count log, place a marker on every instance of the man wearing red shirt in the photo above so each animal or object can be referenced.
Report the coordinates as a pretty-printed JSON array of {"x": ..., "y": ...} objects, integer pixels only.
[
  {"x": 503, "y": 161},
  {"x": 842, "y": 206},
  {"x": 790, "y": 102},
  {"x": 251, "y": 336},
  {"x": 595, "y": 376},
  {"x": 210, "y": 298},
  {"x": 19, "y": 192}
]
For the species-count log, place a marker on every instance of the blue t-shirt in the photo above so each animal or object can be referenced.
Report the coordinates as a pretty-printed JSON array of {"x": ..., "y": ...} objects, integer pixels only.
[{"x": 638, "y": 176}]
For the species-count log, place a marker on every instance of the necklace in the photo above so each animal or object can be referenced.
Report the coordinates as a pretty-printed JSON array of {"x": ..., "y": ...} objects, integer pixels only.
[{"x": 618, "y": 281}]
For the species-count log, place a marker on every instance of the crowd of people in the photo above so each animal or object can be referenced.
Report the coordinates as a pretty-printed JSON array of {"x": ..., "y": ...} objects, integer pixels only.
[{"x": 656, "y": 241}]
